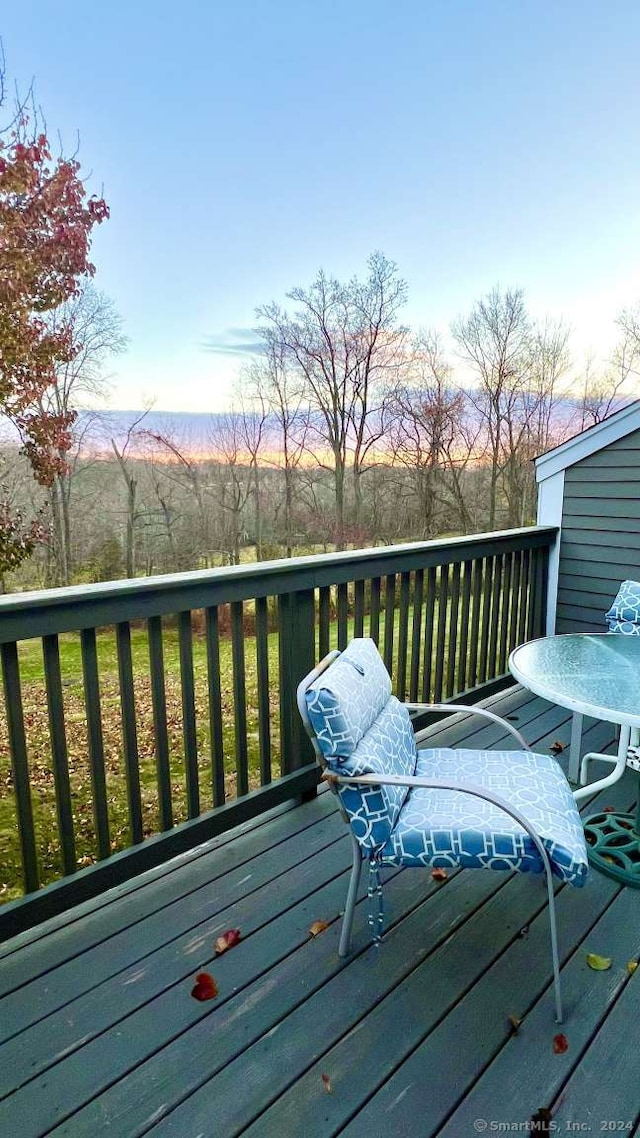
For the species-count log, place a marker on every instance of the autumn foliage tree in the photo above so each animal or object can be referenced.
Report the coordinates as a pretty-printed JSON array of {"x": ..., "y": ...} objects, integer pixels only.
[{"x": 46, "y": 221}]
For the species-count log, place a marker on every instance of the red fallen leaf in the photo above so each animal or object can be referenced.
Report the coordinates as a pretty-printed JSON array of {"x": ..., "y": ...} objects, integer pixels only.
[
  {"x": 439, "y": 874},
  {"x": 226, "y": 941},
  {"x": 205, "y": 987},
  {"x": 608, "y": 809},
  {"x": 327, "y": 1084},
  {"x": 316, "y": 928},
  {"x": 557, "y": 747},
  {"x": 560, "y": 1044}
]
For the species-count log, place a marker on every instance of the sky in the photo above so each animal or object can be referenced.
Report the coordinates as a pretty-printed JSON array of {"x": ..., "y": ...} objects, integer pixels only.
[{"x": 243, "y": 145}]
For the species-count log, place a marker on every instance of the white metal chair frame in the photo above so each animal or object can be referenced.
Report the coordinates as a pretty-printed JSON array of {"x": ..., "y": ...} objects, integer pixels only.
[{"x": 413, "y": 780}]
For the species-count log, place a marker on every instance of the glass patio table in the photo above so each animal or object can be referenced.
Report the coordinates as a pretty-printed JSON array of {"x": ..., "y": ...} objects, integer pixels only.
[{"x": 596, "y": 675}]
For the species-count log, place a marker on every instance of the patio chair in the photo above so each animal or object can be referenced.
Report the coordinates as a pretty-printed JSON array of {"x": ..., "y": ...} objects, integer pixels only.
[
  {"x": 409, "y": 805},
  {"x": 624, "y": 618}
]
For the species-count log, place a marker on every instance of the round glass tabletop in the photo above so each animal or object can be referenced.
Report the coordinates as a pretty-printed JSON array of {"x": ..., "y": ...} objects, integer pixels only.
[{"x": 597, "y": 675}]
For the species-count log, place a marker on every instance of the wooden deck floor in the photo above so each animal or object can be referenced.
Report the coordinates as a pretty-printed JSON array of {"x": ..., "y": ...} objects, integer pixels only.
[{"x": 101, "y": 1035}]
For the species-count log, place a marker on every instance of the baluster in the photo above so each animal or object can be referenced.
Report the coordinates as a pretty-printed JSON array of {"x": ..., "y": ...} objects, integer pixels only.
[
  {"x": 416, "y": 631},
  {"x": 189, "y": 734},
  {"x": 91, "y": 685},
  {"x": 374, "y": 614},
  {"x": 19, "y": 764},
  {"x": 486, "y": 617},
  {"x": 443, "y": 599},
  {"x": 129, "y": 731},
  {"x": 324, "y": 622},
  {"x": 389, "y": 619},
  {"x": 358, "y": 618},
  {"x": 212, "y": 632},
  {"x": 476, "y": 608},
  {"x": 453, "y": 629},
  {"x": 343, "y": 616},
  {"x": 59, "y": 755},
  {"x": 463, "y": 660},
  {"x": 428, "y": 635},
  {"x": 262, "y": 663},
  {"x": 506, "y": 601},
  {"x": 239, "y": 698},
  {"x": 403, "y": 636}
]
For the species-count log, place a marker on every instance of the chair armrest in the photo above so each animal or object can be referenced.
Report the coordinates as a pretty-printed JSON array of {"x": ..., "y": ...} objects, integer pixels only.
[
  {"x": 456, "y": 708},
  {"x": 445, "y": 784}
]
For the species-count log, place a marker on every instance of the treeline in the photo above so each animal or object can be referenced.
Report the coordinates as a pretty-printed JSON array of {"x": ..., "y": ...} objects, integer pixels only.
[{"x": 348, "y": 429}]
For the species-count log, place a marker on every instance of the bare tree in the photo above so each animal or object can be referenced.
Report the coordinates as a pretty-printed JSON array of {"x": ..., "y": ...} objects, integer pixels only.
[
  {"x": 128, "y": 470},
  {"x": 424, "y": 426},
  {"x": 495, "y": 342},
  {"x": 279, "y": 391},
  {"x": 344, "y": 342},
  {"x": 96, "y": 330},
  {"x": 187, "y": 466}
]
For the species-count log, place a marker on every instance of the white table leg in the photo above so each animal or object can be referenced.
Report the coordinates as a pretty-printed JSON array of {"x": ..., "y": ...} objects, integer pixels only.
[
  {"x": 574, "y": 747},
  {"x": 617, "y": 772}
]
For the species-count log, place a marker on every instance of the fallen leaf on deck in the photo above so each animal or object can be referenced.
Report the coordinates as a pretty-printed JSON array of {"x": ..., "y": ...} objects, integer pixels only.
[
  {"x": 541, "y": 1121},
  {"x": 524, "y": 932},
  {"x": 560, "y": 1044},
  {"x": 598, "y": 963},
  {"x": 327, "y": 1084},
  {"x": 205, "y": 987},
  {"x": 514, "y": 1024},
  {"x": 557, "y": 747},
  {"x": 608, "y": 809},
  {"x": 318, "y": 927},
  {"x": 226, "y": 941},
  {"x": 631, "y": 967},
  {"x": 439, "y": 874}
]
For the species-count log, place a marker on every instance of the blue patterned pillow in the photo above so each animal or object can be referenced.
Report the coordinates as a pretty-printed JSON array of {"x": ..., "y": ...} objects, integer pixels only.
[
  {"x": 624, "y": 614},
  {"x": 345, "y": 700},
  {"x": 388, "y": 747}
]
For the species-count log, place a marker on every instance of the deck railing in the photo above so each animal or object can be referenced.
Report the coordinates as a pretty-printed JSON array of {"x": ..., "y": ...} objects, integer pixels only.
[{"x": 157, "y": 712}]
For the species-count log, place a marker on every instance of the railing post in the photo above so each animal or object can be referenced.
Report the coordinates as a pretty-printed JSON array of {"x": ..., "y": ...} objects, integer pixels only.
[{"x": 296, "y": 623}]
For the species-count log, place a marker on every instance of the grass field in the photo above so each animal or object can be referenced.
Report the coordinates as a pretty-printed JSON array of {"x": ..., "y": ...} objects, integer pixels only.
[{"x": 39, "y": 747}]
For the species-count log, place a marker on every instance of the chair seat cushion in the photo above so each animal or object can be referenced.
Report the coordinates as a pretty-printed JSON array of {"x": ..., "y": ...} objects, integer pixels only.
[{"x": 452, "y": 828}]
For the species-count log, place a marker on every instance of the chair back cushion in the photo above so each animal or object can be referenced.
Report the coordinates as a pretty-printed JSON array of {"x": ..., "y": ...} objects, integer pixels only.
[
  {"x": 388, "y": 747},
  {"x": 344, "y": 701},
  {"x": 361, "y": 728},
  {"x": 624, "y": 614}
]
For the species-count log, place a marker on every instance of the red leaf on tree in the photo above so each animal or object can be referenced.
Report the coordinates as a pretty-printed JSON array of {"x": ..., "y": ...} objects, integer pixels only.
[
  {"x": 226, "y": 941},
  {"x": 205, "y": 987},
  {"x": 560, "y": 1044}
]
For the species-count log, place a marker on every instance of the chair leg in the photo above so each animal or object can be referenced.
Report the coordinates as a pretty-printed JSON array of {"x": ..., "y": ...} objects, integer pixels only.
[
  {"x": 554, "y": 946},
  {"x": 352, "y": 893}
]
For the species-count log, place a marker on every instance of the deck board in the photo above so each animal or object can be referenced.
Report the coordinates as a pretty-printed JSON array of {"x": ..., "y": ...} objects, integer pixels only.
[{"x": 100, "y": 1032}]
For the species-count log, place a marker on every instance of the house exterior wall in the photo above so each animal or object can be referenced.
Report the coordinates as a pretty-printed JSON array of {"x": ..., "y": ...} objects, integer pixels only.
[{"x": 600, "y": 541}]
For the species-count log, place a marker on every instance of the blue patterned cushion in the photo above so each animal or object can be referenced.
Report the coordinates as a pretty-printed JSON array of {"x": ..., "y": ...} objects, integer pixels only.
[
  {"x": 449, "y": 828},
  {"x": 388, "y": 747},
  {"x": 624, "y": 614},
  {"x": 345, "y": 700}
]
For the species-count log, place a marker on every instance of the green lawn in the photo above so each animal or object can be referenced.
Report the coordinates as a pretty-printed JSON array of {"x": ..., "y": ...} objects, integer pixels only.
[{"x": 39, "y": 751}]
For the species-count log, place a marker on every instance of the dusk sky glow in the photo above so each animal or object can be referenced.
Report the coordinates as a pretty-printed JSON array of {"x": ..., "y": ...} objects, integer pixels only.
[{"x": 243, "y": 145}]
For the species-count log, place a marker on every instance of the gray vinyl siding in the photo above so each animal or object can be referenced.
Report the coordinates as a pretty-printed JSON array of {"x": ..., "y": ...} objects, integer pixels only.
[{"x": 600, "y": 543}]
